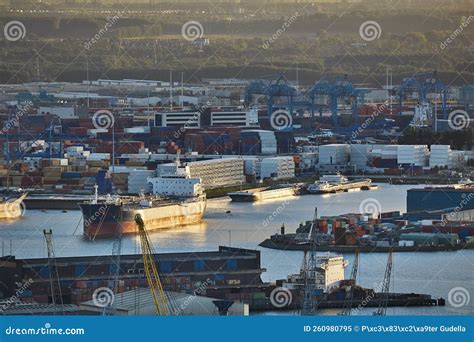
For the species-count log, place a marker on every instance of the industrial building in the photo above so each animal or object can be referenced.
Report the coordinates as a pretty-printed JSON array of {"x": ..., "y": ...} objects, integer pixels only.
[{"x": 205, "y": 117}]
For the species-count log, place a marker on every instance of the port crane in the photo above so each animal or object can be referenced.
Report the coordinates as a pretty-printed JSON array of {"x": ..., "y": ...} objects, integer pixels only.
[
  {"x": 423, "y": 84},
  {"x": 383, "y": 301},
  {"x": 54, "y": 281},
  {"x": 353, "y": 281},
  {"x": 114, "y": 273},
  {"x": 332, "y": 90},
  {"x": 164, "y": 305},
  {"x": 310, "y": 304}
]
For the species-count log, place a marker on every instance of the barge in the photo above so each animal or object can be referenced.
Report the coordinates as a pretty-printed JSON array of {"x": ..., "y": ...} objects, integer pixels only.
[
  {"x": 335, "y": 183},
  {"x": 275, "y": 192}
]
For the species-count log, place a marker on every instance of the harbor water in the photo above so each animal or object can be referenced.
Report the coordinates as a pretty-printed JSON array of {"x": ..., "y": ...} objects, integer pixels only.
[{"x": 247, "y": 224}]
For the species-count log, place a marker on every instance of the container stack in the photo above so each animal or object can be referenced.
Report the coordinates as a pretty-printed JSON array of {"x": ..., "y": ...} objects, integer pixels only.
[
  {"x": 334, "y": 154},
  {"x": 252, "y": 167},
  {"x": 277, "y": 168},
  {"x": 258, "y": 141},
  {"x": 441, "y": 156},
  {"x": 120, "y": 181},
  {"x": 415, "y": 155},
  {"x": 137, "y": 181},
  {"x": 360, "y": 154}
]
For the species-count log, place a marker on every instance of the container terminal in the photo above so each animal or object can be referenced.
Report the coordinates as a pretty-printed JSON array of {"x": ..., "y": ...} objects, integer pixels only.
[
  {"x": 231, "y": 275},
  {"x": 381, "y": 232},
  {"x": 60, "y": 155}
]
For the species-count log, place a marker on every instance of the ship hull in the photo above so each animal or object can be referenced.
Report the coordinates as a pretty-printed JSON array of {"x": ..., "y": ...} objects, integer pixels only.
[
  {"x": 106, "y": 220},
  {"x": 247, "y": 196}
]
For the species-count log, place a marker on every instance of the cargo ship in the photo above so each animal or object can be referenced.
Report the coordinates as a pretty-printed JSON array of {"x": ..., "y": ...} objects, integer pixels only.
[
  {"x": 255, "y": 195},
  {"x": 334, "y": 183},
  {"x": 12, "y": 208},
  {"x": 177, "y": 200}
]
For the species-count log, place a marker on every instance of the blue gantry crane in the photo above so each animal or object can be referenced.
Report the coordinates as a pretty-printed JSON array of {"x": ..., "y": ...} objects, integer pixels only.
[
  {"x": 272, "y": 87},
  {"x": 342, "y": 87},
  {"x": 423, "y": 84},
  {"x": 332, "y": 91},
  {"x": 280, "y": 88}
]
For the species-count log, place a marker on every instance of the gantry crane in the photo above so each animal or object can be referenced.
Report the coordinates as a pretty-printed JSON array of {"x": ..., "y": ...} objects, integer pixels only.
[
  {"x": 310, "y": 269},
  {"x": 114, "y": 273},
  {"x": 53, "y": 269},
  {"x": 164, "y": 305},
  {"x": 353, "y": 281},
  {"x": 423, "y": 84},
  {"x": 383, "y": 301}
]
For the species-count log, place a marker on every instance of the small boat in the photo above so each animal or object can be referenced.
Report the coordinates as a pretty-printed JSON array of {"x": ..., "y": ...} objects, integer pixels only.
[{"x": 12, "y": 208}]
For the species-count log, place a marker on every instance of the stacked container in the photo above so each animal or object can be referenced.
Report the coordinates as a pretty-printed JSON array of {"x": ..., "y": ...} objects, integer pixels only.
[
  {"x": 277, "y": 167},
  {"x": 441, "y": 156},
  {"x": 415, "y": 155},
  {"x": 334, "y": 154}
]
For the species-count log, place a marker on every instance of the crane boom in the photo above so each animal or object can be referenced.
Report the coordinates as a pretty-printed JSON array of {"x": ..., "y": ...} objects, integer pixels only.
[
  {"x": 383, "y": 302},
  {"x": 114, "y": 273},
  {"x": 52, "y": 268},
  {"x": 160, "y": 299},
  {"x": 350, "y": 294}
]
